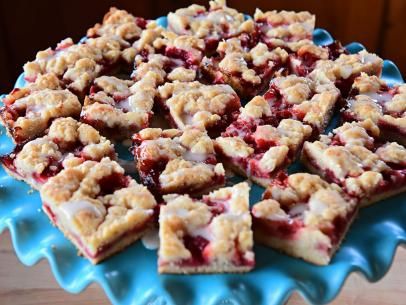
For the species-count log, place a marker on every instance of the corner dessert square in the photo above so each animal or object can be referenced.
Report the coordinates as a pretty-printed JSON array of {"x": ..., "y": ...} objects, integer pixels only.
[
  {"x": 353, "y": 157},
  {"x": 279, "y": 28},
  {"x": 119, "y": 23},
  {"x": 208, "y": 235},
  {"x": 304, "y": 216},
  {"x": 217, "y": 23},
  {"x": 67, "y": 143},
  {"x": 98, "y": 208},
  {"x": 346, "y": 68},
  {"x": 175, "y": 161},
  {"x": 29, "y": 111},
  {"x": 77, "y": 65},
  {"x": 371, "y": 98}
]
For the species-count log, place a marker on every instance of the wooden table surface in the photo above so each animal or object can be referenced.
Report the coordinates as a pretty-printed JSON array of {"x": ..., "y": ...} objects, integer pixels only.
[{"x": 20, "y": 285}]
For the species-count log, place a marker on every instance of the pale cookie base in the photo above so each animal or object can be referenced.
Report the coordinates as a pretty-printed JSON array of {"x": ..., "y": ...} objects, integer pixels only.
[
  {"x": 118, "y": 246},
  {"x": 215, "y": 267},
  {"x": 31, "y": 182}
]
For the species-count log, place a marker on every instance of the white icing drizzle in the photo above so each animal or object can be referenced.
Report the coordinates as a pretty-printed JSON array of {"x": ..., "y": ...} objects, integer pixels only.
[
  {"x": 196, "y": 157},
  {"x": 298, "y": 209},
  {"x": 71, "y": 208},
  {"x": 150, "y": 240}
]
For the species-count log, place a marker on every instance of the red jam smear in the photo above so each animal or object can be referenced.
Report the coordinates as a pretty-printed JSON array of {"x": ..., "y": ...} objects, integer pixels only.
[
  {"x": 196, "y": 246},
  {"x": 109, "y": 184}
]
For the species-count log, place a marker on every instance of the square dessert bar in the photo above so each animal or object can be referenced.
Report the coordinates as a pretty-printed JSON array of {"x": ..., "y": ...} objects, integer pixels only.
[
  {"x": 303, "y": 99},
  {"x": 279, "y": 29},
  {"x": 213, "y": 25},
  {"x": 304, "y": 216},
  {"x": 211, "y": 107},
  {"x": 66, "y": 144},
  {"x": 77, "y": 65},
  {"x": 371, "y": 98},
  {"x": 98, "y": 208},
  {"x": 248, "y": 70},
  {"x": 117, "y": 107},
  {"x": 352, "y": 157},
  {"x": 208, "y": 235},
  {"x": 171, "y": 56},
  {"x": 29, "y": 111},
  {"x": 305, "y": 55},
  {"x": 343, "y": 70},
  {"x": 119, "y": 23},
  {"x": 175, "y": 161},
  {"x": 256, "y": 147}
]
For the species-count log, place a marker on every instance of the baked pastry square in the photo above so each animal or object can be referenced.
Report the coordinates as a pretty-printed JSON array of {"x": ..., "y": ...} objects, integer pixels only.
[
  {"x": 278, "y": 29},
  {"x": 247, "y": 70},
  {"x": 119, "y": 23},
  {"x": 66, "y": 144},
  {"x": 99, "y": 209},
  {"x": 257, "y": 146},
  {"x": 175, "y": 161},
  {"x": 352, "y": 157},
  {"x": 211, "y": 107},
  {"x": 371, "y": 98},
  {"x": 77, "y": 65},
  {"x": 28, "y": 112},
  {"x": 213, "y": 25},
  {"x": 119, "y": 108},
  {"x": 305, "y": 55},
  {"x": 301, "y": 98},
  {"x": 304, "y": 216},
  {"x": 346, "y": 68},
  {"x": 208, "y": 235},
  {"x": 171, "y": 56}
]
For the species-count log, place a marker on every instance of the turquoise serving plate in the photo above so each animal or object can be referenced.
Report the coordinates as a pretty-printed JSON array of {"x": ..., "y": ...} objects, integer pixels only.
[{"x": 131, "y": 277}]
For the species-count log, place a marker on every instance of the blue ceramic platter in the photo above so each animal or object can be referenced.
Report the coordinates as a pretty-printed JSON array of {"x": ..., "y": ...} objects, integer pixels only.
[{"x": 131, "y": 277}]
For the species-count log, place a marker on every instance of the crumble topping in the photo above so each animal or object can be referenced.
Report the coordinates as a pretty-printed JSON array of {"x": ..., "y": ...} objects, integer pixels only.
[{"x": 120, "y": 23}]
